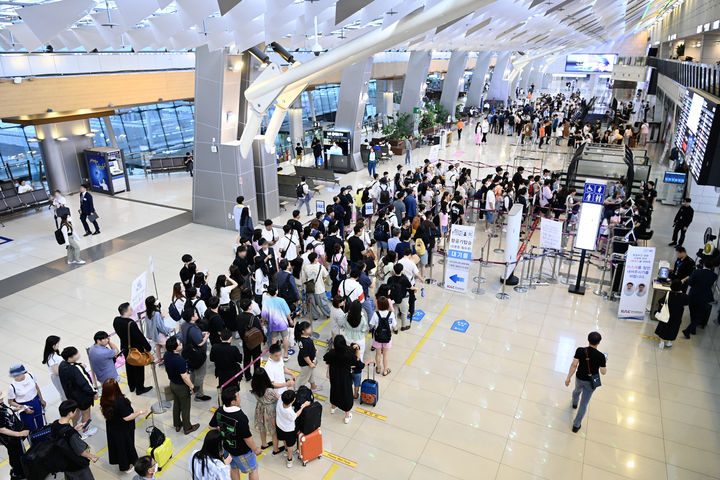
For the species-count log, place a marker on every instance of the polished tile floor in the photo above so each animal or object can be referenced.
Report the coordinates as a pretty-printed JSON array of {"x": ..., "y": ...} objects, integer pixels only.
[{"x": 489, "y": 403}]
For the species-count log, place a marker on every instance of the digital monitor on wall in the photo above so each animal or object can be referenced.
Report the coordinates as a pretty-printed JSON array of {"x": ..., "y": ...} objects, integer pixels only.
[
  {"x": 696, "y": 136},
  {"x": 590, "y": 62}
]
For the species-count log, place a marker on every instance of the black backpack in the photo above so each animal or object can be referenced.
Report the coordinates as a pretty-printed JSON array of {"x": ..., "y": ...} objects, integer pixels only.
[
  {"x": 380, "y": 234},
  {"x": 383, "y": 333},
  {"x": 174, "y": 312},
  {"x": 302, "y": 395},
  {"x": 300, "y": 190},
  {"x": 287, "y": 293},
  {"x": 53, "y": 456},
  {"x": 384, "y": 194},
  {"x": 192, "y": 354},
  {"x": 59, "y": 237}
]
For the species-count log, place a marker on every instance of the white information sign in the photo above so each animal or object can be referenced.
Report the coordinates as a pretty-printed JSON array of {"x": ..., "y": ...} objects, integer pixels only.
[
  {"x": 434, "y": 154},
  {"x": 550, "y": 234},
  {"x": 512, "y": 237},
  {"x": 138, "y": 292},
  {"x": 459, "y": 255},
  {"x": 636, "y": 283}
]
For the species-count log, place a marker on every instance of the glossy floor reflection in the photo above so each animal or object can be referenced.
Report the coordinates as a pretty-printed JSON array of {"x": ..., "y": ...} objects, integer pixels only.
[{"x": 489, "y": 403}]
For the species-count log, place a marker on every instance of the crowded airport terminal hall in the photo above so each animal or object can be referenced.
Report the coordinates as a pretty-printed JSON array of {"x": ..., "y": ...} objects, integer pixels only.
[{"x": 359, "y": 239}]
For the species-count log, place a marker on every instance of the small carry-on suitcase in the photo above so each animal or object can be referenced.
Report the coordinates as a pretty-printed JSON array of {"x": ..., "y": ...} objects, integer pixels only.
[
  {"x": 310, "y": 418},
  {"x": 310, "y": 446},
  {"x": 369, "y": 389},
  {"x": 40, "y": 434},
  {"x": 161, "y": 447}
]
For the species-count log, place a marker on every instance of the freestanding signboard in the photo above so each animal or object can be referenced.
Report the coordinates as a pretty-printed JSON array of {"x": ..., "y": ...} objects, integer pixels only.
[{"x": 459, "y": 255}]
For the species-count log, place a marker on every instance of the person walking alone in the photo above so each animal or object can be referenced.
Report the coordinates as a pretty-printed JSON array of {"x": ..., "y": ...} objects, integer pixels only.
[
  {"x": 408, "y": 151},
  {"x": 87, "y": 211},
  {"x": 683, "y": 219},
  {"x": 303, "y": 195},
  {"x": 71, "y": 239},
  {"x": 587, "y": 362}
]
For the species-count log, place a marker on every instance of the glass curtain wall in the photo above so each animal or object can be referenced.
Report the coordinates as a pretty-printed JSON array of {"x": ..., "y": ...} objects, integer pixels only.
[
  {"x": 20, "y": 155},
  {"x": 160, "y": 129}
]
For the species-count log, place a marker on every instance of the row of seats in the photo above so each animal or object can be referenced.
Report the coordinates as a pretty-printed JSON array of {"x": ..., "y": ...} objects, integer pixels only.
[
  {"x": 11, "y": 201},
  {"x": 165, "y": 164}
]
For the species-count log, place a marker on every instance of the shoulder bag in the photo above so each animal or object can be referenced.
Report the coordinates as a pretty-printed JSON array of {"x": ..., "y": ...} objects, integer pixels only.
[
  {"x": 594, "y": 377},
  {"x": 135, "y": 357},
  {"x": 310, "y": 284},
  {"x": 664, "y": 314}
]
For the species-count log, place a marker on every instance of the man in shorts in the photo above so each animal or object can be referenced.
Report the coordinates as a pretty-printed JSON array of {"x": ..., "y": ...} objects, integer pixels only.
[
  {"x": 276, "y": 315},
  {"x": 237, "y": 438}
]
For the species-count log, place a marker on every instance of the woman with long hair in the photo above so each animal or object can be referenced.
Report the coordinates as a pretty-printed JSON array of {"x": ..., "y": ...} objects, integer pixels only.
[
  {"x": 71, "y": 239},
  {"x": 52, "y": 358},
  {"x": 119, "y": 425},
  {"x": 356, "y": 326},
  {"x": 178, "y": 296},
  {"x": 200, "y": 284},
  {"x": 223, "y": 286},
  {"x": 340, "y": 360},
  {"x": 210, "y": 462},
  {"x": 338, "y": 266},
  {"x": 261, "y": 279},
  {"x": 155, "y": 329},
  {"x": 262, "y": 388}
]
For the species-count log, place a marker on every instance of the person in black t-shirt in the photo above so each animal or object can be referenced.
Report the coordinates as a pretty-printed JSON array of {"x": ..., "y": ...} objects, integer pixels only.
[
  {"x": 588, "y": 361},
  {"x": 246, "y": 321},
  {"x": 214, "y": 320},
  {"x": 356, "y": 246},
  {"x": 237, "y": 438},
  {"x": 11, "y": 438},
  {"x": 306, "y": 355},
  {"x": 227, "y": 358},
  {"x": 186, "y": 273},
  {"x": 241, "y": 260}
]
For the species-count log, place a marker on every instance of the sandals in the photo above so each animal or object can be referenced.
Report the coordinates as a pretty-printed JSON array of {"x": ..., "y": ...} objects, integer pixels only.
[
  {"x": 386, "y": 372},
  {"x": 265, "y": 447},
  {"x": 280, "y": 450}
]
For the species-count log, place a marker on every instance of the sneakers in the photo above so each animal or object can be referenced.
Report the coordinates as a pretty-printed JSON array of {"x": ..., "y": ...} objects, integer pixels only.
[
  {"x": 672, "y": 244},
  {"x": 89, "y": 432},
  {"x": 289, "y": 463},
  {"x": 575, "y": 429},
  {"x": 686, "y": 334},
  {"x": 96, "y": 233},
  {"x": 661, "y": 345},
  {"x": 333, "y": 410},
  {"x": 668, "y": 344},
  {"x": 348, "y": 418},
  {"x": 202, "y": 398}
]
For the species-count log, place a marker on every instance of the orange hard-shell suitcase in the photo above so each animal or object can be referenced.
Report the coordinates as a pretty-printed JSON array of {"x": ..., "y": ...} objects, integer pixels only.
[{"x": 310, "y": 446}]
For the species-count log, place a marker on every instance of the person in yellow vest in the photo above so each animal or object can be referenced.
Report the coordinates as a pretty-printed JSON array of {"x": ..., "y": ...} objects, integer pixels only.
[{"x": 460, "y": 126}]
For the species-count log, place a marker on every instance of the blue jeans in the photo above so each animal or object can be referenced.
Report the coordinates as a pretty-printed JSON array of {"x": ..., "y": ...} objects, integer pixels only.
[
  {"x": 306, "y": 201},
  {"x": 408, "y": 157},
  {"x": 583, "y": 387},
  {"x": 371, "y": 168}
]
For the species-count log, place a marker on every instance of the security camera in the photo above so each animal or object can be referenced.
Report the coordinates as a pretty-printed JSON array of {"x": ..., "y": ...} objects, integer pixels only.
[{"x": 317, "y": 49}]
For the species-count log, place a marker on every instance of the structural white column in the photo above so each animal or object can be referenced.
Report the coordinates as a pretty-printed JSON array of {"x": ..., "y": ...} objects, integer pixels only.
[
  {"x": 415, "y": 81},
  {"x": 296, "y": 126},
  {"x": 499, "y": 88},
  {"x": 454, "y": 79},
  {"x": 477, "y": 83},
  {"x": 312, "y": 106},
  {"x": 351, "y": 105}
]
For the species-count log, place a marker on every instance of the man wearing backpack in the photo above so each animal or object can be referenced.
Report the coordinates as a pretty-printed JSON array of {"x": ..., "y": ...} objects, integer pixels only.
[
  {"x": 399, "y": 293},
  {"x": 12, "y": 431},
  {"x": 303, "y": 194},
  {"x": 195, "y": 351},
  {"x": 68, "y": 452},
  {"x": 252, "y": 335},
  {"x": 384, "y": 195}
]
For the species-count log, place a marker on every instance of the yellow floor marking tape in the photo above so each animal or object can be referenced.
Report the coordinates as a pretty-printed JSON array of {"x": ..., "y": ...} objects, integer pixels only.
[
  {"x": 102, "y": 451},
  {"x": 330, "y": 472},
  {"x": 371, "y": 414},
  {"x": 294, "y": 371},
  {"x": 2, "y": 464},
  {"x": 322, "y": 325},
  {"x": 427, "y": 334},
  {"x": 182, "y": 452},
  {"x": 320, "y": 397},
  {"x": 320, "y": 343},
  {"x": 339, "y": 459},
  {"x": 651, "y": 338}
]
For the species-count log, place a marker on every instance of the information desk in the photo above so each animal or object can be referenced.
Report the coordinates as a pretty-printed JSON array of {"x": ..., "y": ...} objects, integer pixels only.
[{"x": 659, "y": 291}]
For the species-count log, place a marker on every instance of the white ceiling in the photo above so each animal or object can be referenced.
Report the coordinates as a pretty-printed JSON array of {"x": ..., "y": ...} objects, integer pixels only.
[{"x": 518, "y": 25}]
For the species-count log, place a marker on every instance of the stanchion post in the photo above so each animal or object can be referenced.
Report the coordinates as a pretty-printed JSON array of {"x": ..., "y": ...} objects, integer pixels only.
[
  {"x": 520, "y": 287},
  {"x": 599, "y": 289},
  {"x": 478, "y": 280},
  {"x": 495, "y": 229},
  {"x": 502, "y": 295},
  {"x": 160, "y": 406}
]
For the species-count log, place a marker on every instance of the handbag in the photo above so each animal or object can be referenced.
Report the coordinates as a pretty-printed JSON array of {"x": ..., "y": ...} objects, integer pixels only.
[
  {"x": 310, "y": 284},
  {"x": 253, "y": 336},
  {"x": 664, "y": 314},
  {"x": 93, "y": 217},
  {"x": 594, "y": 377},
  {"x": 135, "y": 357}
]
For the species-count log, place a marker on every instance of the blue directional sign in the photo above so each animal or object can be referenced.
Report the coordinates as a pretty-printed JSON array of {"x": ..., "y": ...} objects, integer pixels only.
[
  {"x": 594, "y": 193},
  {"x": 460, "y": 326},
  {"x": 5, "y": 240},
  {"x": 456, "y": 279},
  {"x": 291, "y": 351},
  {"x": 459, "y": 254},
  {"x": 418, "y": 315}
]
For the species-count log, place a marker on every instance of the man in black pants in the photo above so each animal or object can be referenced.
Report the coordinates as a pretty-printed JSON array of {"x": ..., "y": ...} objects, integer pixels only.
[
  {"x": 246, "y": 321},
  {"x": 12, "y": 439},
  {"x": 701, "y": 283},
  {"x": 135, "y": 375},
  {"x": 87, "y": 207},
  {"x": 683, "y": 219}
]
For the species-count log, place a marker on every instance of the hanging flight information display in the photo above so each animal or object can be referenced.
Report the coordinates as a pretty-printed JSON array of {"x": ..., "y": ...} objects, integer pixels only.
[{"x": 699, "y": 122}]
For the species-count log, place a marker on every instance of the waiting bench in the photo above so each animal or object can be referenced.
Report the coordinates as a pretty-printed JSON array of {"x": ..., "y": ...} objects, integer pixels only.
[
  {"x": 165, "y": 164},
  {"x": 287, "y": 185},
  {"x": 11, "y": 201},
  {"x": 317, "y": 174}
]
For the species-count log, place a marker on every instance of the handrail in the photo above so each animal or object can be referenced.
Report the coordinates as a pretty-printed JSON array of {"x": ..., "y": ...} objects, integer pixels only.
[{"x": 689, "y": 74}]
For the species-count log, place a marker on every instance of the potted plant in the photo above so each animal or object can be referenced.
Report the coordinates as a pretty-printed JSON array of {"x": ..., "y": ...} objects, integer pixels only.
[{"x": 680, "y": 50}]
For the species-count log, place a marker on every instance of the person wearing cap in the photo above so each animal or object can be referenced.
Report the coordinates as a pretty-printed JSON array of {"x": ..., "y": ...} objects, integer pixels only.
[
  {"x": 24, "y": 395},
  {"x": 102, "y": 357}
]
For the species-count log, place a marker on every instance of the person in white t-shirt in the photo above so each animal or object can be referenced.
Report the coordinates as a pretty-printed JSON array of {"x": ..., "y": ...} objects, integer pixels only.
[
  {"x": 25, "y": 396},
  {"x": 24, "y": 187},
  {"x": 276, "y": 370},
  {"x": 52, "y": 358},
  {"x": 489, "y": 209},
  {"x": 285, "y": 416},
  {"x": 288, "y": 244}
]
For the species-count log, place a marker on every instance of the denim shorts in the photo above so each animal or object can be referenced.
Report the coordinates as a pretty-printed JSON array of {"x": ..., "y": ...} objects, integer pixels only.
[
  {"x": 489, "y": 217},
  {"x": 245, "y": 463},
  {"x": 357, "y": 379}
]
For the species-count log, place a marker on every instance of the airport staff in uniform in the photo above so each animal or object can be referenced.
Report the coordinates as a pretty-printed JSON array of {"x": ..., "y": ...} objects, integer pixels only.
[
  {"x": 87, "y": 208},
  {"x": 683, "y": 219}
]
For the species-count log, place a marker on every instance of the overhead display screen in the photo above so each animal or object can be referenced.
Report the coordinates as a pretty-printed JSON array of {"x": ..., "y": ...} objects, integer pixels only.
[
  {"x": 590, "y": 62},
  {"x": 696, "y": 136}
]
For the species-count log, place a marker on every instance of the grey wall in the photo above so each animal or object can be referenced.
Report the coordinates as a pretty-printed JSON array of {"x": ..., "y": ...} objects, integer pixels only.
[
  {"x": 64, "y": 161},
  {"x": 221, "y": 172}
]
